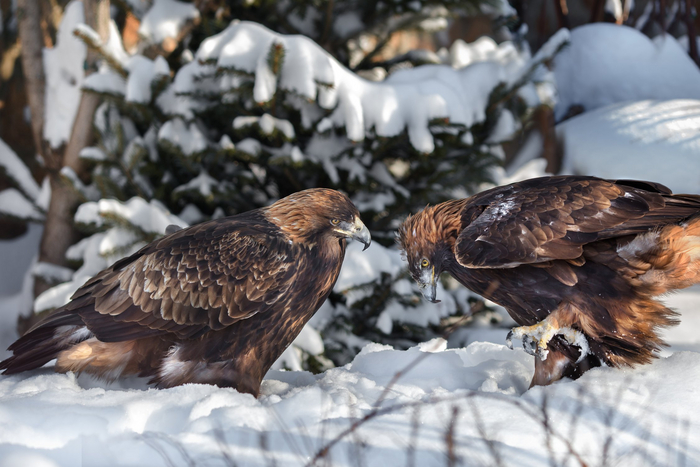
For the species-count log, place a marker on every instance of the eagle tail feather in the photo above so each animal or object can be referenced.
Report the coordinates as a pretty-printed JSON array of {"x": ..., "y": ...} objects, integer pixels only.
[{"x": 43, "y": 342}]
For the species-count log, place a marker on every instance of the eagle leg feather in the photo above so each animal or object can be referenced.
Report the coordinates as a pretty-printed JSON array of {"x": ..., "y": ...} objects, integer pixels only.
[{"x": 536, "y": 338}]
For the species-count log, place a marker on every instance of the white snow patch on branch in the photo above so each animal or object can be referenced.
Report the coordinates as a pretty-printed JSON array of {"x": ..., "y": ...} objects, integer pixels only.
[
  {"x": 267, "y": 124},
  {"x": 186, "y": 136},
  {"x": 202, "y": 183},
  {"x": 408, "y": 99},
  {"x": 13, "y": 203},
  {"x": 150, "y": 216},
  {"x": 142, "y": 73},
  {"x": 52, "y": 272},
  {"x": 18, "y": 171}
]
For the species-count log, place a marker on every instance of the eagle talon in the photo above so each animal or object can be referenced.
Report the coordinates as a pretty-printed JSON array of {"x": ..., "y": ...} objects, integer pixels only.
[{"x": 536, "y": 338}]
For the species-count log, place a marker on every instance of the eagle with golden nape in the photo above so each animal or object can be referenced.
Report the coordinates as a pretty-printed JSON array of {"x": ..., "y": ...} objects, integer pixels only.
[
  {"x": 576, "y": 261},
  {"x": 214, "y": 303}
]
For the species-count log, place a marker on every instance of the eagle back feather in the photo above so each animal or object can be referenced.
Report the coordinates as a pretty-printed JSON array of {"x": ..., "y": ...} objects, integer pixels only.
[{"x": 206, "y": 277}]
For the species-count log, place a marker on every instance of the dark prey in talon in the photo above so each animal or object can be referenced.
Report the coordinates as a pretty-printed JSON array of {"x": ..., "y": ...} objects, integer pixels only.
[
  {"x": 214, "y": 303},
  {"x": 576, "y": 261}
]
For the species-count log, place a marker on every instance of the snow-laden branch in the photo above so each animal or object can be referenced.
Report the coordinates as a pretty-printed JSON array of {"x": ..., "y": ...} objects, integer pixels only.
[{"x": 409, "y": 99}]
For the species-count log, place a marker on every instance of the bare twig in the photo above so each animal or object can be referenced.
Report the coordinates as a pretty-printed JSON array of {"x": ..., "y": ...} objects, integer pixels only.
[
  {"x": 452, "y": 458},
  {"x": 413, "y": 439},
  {"x": 481, "y": 428}
]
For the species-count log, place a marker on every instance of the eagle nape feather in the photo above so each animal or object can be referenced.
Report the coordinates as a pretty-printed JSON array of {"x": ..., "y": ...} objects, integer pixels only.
[
  {"x": 578, "y": 262},
  {"x": 215, "y": 303}
]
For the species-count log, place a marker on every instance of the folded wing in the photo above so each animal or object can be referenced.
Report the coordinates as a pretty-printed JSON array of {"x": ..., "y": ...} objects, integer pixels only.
[
  {"x": 206, "y": 277},
  {"x": 553, "y": 218}
]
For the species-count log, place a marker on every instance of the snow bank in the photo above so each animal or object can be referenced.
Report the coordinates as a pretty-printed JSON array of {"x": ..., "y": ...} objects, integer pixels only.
[
  {"x": 647, "y": 140},
  {"x": 606, "y": 63},
  {"x": 480, "y": 390}
]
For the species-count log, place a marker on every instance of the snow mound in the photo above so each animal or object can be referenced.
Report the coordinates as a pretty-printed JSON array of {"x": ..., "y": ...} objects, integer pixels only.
[
  {"x": 606, "y": 63},
  {"x": 647, "y": 140}
]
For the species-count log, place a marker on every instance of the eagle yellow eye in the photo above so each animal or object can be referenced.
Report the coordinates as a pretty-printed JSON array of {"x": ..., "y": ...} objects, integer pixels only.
[
  {"x": 335, "y": 221},
  {"x": 424, "y": 263}
]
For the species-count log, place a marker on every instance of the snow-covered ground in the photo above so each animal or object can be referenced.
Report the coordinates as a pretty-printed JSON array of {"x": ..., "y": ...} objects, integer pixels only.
[
  {"x": 476, "y": 396},
  {"x": 650, "y": 140}
]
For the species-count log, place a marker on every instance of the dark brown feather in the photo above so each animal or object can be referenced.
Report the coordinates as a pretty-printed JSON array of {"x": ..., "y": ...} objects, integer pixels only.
[
  {"x": 225, "y": 297},
  {"x": 586, "y": 253}
]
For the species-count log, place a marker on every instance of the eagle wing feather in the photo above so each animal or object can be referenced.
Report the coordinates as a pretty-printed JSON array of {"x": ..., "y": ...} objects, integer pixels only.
[
  {"x": 205, "y": 277},
  {"x": 552, "y": 218}
]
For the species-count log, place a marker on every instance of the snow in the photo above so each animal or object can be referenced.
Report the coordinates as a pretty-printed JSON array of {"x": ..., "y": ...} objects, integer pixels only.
[
  {"x": 52, "y": 272},
  {"x": 267, "y": 123},
  {"x": 165, "y": 19},
  {"x": 484, "y": 48},
  {"x": 186, "y": 136},
  {"x": 63, "y": 65},
  {"x": 408, "y": 99},
  {"x": 606, "y": 64},
  {"x": 647, "y": 140},
  {"x": 151, "y": 216},
  {"x": 18, "y": 171},
  {"x": 93, "y": 153},
  {"x": 106, "y": 81},
  {"x": 202, "y": 183},
  {"x": 13, "y": 203},
  {"x": 646, "y": 412},
  {"x": 142, "y": 73}
]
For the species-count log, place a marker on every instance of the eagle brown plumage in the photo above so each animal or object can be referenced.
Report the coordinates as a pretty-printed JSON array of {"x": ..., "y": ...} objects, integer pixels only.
[
  {"x": 576, "y": 261},
  {"x": 214, "y": 303}
]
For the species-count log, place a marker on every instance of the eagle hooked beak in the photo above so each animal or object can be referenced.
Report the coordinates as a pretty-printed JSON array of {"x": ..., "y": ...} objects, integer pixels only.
[
  {"x": 357, "y": 231},
  {"x": 428, "y": 285}
]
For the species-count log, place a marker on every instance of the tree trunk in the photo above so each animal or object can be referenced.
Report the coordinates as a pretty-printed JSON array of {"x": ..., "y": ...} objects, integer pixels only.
[
  {"x": 29, "y": 27},
  {"x": 59, "y": 230}
]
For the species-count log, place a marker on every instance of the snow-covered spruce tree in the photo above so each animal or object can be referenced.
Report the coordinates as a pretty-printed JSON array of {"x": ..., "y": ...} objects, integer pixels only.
[{"x": 253, "y": 115}]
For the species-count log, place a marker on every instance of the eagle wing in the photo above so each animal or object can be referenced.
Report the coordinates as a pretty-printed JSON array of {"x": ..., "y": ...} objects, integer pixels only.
[
  {"x": 552, "y": 218},
  {"x": 206, "y": 277}
]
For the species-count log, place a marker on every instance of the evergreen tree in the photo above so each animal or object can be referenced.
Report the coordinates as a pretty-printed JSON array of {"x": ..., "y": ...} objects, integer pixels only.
[{"x": 238, "y": 115}]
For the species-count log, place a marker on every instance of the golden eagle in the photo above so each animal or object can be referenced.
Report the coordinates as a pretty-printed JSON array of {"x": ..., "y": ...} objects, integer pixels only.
[
  {"x": 576, "y": 262},
  {"x": 214, "y": 303}
]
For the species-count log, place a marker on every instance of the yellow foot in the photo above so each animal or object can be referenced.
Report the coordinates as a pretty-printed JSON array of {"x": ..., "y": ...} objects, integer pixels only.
[{"x": 535, "y": 338}]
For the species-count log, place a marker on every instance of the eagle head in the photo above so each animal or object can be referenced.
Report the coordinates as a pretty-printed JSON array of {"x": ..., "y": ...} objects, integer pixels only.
[
  {"x": 426, "y": 240},
  {"x": 305, "y": 215}
]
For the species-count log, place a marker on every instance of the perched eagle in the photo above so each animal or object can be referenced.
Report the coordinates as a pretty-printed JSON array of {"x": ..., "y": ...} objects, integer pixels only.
[
  {"x": 576, "y": 261},
  {"x": 215, "y": 303}
]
